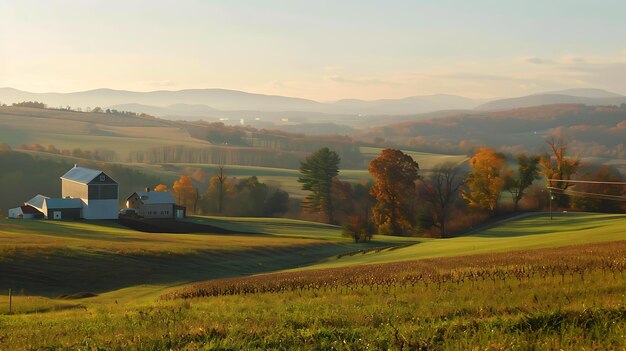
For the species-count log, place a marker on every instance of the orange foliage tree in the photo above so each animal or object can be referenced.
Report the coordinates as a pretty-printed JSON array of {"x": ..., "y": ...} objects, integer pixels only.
[
  {"x": 161, "y": 187},
  {"x": 185, "y": 193},
  {"x": 395, "y": 174},
  {"x": 485, "y": 182}
]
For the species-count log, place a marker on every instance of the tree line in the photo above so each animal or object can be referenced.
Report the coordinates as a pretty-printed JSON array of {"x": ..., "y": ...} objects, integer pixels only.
[
  {"x": 402, "y": 201},
  {"x": 96, "y": 154},
  {"x": 229, "y": 196}
]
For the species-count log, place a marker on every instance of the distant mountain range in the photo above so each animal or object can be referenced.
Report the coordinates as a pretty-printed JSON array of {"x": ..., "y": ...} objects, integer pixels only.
[
  {"x": 570, "y": 96},
  {"x": 220, "y": 103}
]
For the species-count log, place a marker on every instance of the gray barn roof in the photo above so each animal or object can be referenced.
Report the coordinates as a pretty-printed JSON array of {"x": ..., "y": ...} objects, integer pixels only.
[
  {"x": 155, "y": 197},
  {"x": 37, "y": 201},
  {"x": 81, "y": 174},
  {"x": 64, "y": 203}
]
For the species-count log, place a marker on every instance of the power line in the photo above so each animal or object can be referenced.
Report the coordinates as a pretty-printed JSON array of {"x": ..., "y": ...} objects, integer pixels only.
[
  {"x": 586, "y": 181},
  {"x": 589, "y": 195}
]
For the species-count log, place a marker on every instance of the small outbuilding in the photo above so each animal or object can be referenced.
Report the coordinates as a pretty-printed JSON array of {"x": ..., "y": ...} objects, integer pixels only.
[
  {"x": 155, "y": 204},
  {"x": 62, "y": 208},
  {"x": 25, "y": 212}
]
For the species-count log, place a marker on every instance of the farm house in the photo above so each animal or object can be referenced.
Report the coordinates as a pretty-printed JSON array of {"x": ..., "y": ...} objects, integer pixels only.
[{"x": 155, "y": 204}]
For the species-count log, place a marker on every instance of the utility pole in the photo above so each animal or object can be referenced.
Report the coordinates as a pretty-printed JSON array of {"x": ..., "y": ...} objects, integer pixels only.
[
  {"x": 10, "y": 301},
  {"x": 551, "y": 198}
]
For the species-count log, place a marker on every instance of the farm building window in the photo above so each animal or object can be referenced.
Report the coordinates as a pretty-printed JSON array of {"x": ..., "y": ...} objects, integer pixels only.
[{"x": 103, "y": 178}]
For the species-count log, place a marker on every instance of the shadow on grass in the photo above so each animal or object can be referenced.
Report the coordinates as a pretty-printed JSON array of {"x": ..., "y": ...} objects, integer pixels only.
[{"x": 67, "y": 271}]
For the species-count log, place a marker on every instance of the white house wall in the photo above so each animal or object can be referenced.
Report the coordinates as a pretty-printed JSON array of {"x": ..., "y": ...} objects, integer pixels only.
[{"x": 154, "y": 211}]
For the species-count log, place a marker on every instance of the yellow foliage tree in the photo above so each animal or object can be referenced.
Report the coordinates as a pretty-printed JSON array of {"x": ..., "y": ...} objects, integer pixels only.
[
  {"x": 486, "y": 181},
  {"x": 185, "y": 193}
]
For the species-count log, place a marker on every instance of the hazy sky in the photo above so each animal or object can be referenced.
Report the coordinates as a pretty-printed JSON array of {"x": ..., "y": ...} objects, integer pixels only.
[{"x": 324, "y": 50}]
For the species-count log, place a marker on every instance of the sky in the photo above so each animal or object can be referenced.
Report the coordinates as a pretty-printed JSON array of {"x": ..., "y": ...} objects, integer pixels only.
[{"x": 321, "y": 50}]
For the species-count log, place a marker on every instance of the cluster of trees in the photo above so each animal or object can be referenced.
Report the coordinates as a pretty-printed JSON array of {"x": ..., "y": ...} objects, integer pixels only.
[
  {"x": 108, "y": 111},
  {"x": 97, "y": 109},
  {"x": 217, "y": 133},
  {"x": 280, "y": 141},
  {"x": 97, "y": 155},
  {"x": 217, "y": 154},
  {"x": 229, "y": 196},
  {"x": 31, "y": 104},
  {"x": 401, "y": 201}
]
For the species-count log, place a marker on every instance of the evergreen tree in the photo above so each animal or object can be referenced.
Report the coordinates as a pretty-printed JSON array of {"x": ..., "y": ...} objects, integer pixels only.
[{"x": 317, "y": 173}]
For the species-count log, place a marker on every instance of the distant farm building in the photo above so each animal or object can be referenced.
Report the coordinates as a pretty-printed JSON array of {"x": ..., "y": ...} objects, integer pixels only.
[{"x": 154, "y": 204}]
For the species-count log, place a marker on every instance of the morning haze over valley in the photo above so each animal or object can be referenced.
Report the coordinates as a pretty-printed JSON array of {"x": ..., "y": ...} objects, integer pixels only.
[{"x": 299, "y": 175}]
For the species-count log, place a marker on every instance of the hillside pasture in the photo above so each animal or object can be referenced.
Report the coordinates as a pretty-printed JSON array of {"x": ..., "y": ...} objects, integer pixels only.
[
  {"x": 62, "y": 257},
  {"x": 533, "y": 232}
]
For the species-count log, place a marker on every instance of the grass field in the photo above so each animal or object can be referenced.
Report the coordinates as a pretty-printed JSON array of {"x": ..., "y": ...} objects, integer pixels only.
[
  {"x": 528, "y": 233},
  {"x": 551, "y": 296},
  {"x": 527, "y": 300}
]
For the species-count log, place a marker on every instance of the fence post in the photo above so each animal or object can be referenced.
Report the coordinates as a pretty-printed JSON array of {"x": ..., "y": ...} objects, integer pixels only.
[{"x": 10, "y": 301}]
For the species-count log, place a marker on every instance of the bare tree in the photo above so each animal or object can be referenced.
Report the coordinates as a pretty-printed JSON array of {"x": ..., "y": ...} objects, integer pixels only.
[
  {"x": 221, "y": 178},
  {"x": 441, "y": 188}
]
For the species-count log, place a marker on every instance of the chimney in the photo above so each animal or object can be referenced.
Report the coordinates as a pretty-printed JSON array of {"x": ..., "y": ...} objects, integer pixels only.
[
  {"x": 75, "y": 165},
  {"x": 147, "y": 189}
]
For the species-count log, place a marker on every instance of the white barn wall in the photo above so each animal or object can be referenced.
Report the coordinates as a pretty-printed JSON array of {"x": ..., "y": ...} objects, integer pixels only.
[
  {"x": 100, "y": 209},
  {"x": 15, "y": 212}
]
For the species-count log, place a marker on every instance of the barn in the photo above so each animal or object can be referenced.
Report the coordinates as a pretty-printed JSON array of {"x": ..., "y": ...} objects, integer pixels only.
[
  {"x": 97, "y": 192},
  {"x": 62, "y": 208},
  {"x": 37, "y": 202},
  {"x": 155, "y": 204},
  {"x": 86, "y": 193},
  {"x": 25, "y": 212}
]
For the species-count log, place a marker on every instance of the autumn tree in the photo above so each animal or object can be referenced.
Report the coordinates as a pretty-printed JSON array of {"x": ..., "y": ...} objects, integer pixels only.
[
  {"x": 485, "y": 182},
  {"x": 162, "y": 188},
  {"x": 558, "y": 168},
  {"x": 441, "y": 190},
  {"x": 518, "y": 181},
  {"x": 317, "y": 173},
  {"x": 395, "y": 174},
  {"x": 185, "y": 193}
]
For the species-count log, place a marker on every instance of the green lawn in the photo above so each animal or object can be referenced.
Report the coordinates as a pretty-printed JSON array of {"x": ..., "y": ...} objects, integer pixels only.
[{"x": 527, "y": 233}]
